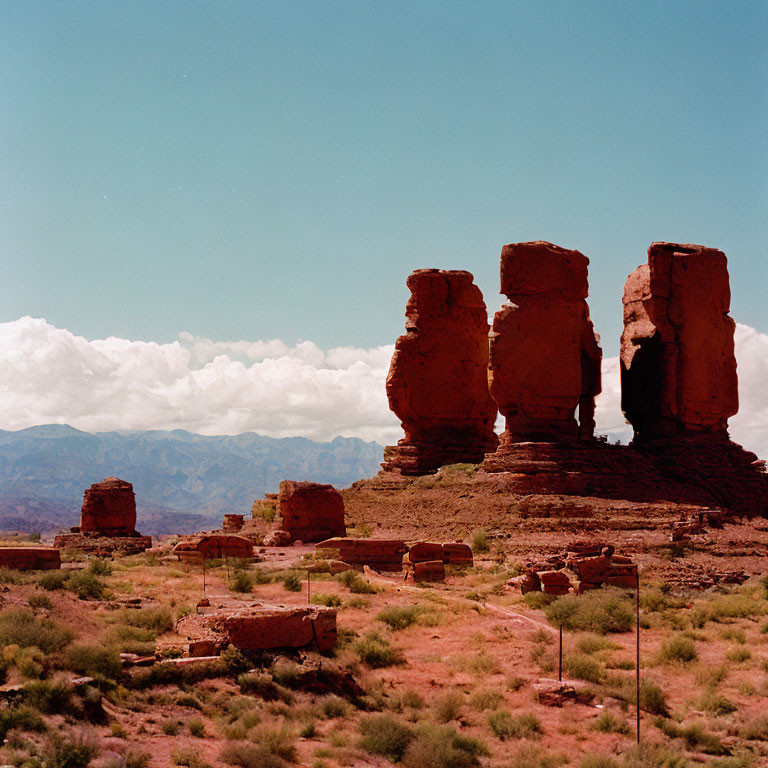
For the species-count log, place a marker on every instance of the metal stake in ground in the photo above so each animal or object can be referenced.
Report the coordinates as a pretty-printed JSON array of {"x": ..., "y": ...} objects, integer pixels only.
[
  {"x": 560, "y": 663},
  {"x": 203, "y": 575},
  {"x": 637, "y": 653},
  {"x": 309, "y": 585}
]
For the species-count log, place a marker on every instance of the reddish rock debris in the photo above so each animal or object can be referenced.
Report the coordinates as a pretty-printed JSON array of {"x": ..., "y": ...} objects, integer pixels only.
[
  {"x": 437, "y": 383},
  {"x": 213, "y": 545},
  {"x": 311, "y": 511},
  {"x": 30, "y": 558},
  {"x": 544, "y": 353},
  {"x": 232, "y": 523},
  {"x": 377, "y": 554},
  {"x": 257, "y": 629}
]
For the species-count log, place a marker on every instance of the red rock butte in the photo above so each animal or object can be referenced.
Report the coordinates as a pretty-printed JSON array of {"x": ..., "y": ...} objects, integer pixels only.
[
  {"x": 107, "y": 521},
  {"x": 310, "y": 511},
  {"x": 544, "y": 354},
  {"x": 109, "y": 507},
  {"x": 437, "y": 383},
  {"x": 678, "y": 368}
]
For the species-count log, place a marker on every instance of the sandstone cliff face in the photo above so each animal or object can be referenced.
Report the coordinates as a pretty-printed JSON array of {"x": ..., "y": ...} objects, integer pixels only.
[
  {"x": 678, "y": 369},
  {"x": 544, "y": 353},
  {"x": 437, "y": 383},
  {"x": 109, "y": 508}
]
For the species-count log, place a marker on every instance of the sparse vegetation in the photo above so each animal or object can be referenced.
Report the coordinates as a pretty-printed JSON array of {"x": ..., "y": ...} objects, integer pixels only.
[{"x": 600, "y": 611}]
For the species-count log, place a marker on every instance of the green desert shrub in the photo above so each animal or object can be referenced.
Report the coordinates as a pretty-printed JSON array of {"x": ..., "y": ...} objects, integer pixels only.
[
  {"x": 590, "y": 643},
  {"x": 505, "y": 725},
  {"x": 385, "y": 735},
  {"x": 600, "y": 611},
  {"x": 51, "y": 697},
  {"x": 38, "y": 602},
  {"x": 154, "y": 620},
  {"x": 654, "y": 755},
  {"x": 716, "y": 704},
  {"x": 610, "y": 723},
  {"x": 448, "y": 706},
  {"x": 242, "y": 582},
  {"x": 375, "y": 651},
  {"x": 441, "y": 746},
  {"x": 398, "y": 617},
  {"x": 68, "y": 751},
  {"x": 678, "y": 648},
  {"x": 356, "y": 583},
  {"x": 100, "y": 567},
  {"x": 583, "y": 667},
  {"x": 22, "y": 718},
  {"x": 245, "y": 755},
  {"x": 534, "y": 756},
  {"x": 597, "y": 760},
  {"x": 480, "y": 543},
  {"x": 485, "y": 699},
  {"x": 755, "y": 729},
  {"x": 330, "y": 601},
  {"x": 94, "y": 660},
  {"x": 21, "y": 627},
  {"x": 86, "y": 585},
  {"x": 292, "y": 583},
  {"x": 738, "y": 653},
  {"x": 52, "y": 581}
]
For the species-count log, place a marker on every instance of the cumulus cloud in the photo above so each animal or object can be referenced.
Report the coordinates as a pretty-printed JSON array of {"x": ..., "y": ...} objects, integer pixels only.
[{"x": 49, "y": 375}]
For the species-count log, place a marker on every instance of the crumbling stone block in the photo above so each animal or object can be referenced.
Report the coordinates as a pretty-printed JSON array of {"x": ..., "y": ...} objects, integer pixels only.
[
  {"x": 311, "y": 511},
  {"x": 30, "y": 558},
  {"x": 213, "y": 545},
  {"x": 377, "y": 554},
  {"x": 232, "y": 523}
]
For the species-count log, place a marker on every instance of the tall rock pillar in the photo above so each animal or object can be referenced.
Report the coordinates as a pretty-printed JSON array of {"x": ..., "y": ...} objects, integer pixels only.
[
  {"x": 437, "y": 383},
  {"x": 678, "y": 368},
  {"x": 544, "y": 354}
]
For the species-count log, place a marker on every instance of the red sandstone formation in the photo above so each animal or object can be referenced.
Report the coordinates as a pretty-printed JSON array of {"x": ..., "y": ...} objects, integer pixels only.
[
  {"x": 258, "y": 629},
  {"x": 213, "y": 545},
  {"x": 30, "y": 558},
  {"x": 427, "y": 570},
  {"x": 457, "y": 554},
  {"x": 451, "y": 553},
  {"x": 378, "y": 554},
  {"x": 544, "y": 353},
  {"x": 678, "y": 369},
  {"x": 437, "y": 382},
  {"x": 107, "y": 521},
  {"x": 678, "y": 375},
  {"x": 232, "y": 523},
  {"x": 109, "y": 508},
  {"x": 311, "y": 511}
]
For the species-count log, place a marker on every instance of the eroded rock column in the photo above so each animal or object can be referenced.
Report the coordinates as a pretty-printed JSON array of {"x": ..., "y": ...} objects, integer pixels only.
[
  {"x": 544, "y": 354},
  {"x": 437, "y": 383},
  {"x": 678, "y": 368}
]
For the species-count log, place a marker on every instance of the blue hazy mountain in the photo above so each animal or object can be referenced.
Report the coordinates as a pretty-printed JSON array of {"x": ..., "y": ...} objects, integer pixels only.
[{"x": 182, "y": 481}]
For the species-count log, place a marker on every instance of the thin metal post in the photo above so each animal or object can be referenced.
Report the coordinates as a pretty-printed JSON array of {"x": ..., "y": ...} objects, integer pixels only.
[
  {"x": 560, "y": 664},
  {"x": 637, "y": 654},
  {"x": 203, "y": 575},
  {"x": 309, "y": 585}
]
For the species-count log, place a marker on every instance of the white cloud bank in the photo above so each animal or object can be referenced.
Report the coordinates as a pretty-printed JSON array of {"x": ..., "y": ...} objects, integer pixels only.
[{"x": 48, "y": 375}]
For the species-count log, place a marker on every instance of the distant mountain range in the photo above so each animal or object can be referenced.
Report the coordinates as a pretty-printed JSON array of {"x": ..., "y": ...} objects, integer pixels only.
[{"x": 183, "y": 481}]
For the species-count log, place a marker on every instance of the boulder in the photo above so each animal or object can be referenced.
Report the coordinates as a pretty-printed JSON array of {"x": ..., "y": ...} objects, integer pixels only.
[
  {"x": 455, "y": 553},
  {"x": 277, "y": 539},
  {"x": 311, "y": 511},
  {"x": 378, "y": 554},
  {"x": 437, "y": 383},
  {"x": 213, "y": 545}
]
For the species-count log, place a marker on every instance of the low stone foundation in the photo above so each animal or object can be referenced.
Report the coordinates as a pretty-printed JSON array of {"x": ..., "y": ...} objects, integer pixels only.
[
  {"x": 97, "y": 544},
  {"x": 261, "y": 629},
  {"x": 30, "y": 558},
  {"x": 213, "y": 545},
  {"x": 378, "y": 554}
]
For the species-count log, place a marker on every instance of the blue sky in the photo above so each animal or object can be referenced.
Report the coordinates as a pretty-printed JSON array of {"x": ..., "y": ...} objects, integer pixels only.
[{"x": 258, "y": 170}]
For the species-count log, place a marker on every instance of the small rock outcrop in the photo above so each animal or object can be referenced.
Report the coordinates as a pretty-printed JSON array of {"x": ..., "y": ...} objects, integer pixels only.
[
  {"x": 310, "y": 511},
  {"x": 544, "y": 354},
  {"x": 378, "y": 554},
  {"x": 437, "y": 383}
]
